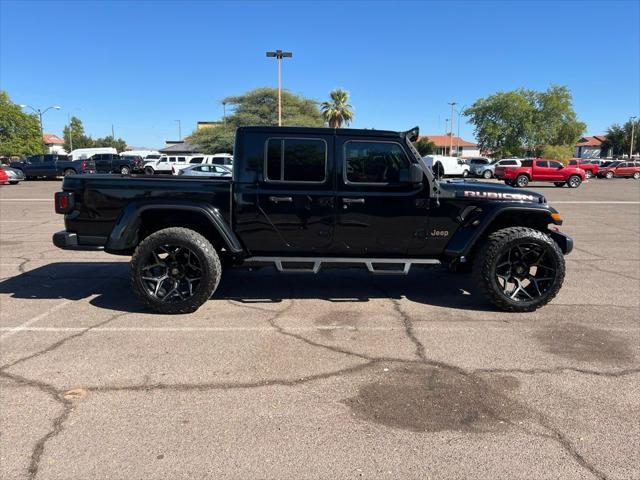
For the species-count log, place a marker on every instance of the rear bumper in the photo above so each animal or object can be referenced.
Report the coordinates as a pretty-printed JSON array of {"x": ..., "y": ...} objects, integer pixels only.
[
  {"x": 565, "y": 242},
  {"x": 70, "y": 241}
]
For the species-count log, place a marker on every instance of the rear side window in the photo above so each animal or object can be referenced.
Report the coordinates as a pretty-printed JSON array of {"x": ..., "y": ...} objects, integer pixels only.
[
  {"x": 296, "y": 160},
  {"x": 527, "y": 163},
  {"x": 573, "y": 162},
  {"x": 555, "y": 164},
  {"x": 374, "y": 162},
  {"x": 196, "y": 160},
  {"x": 506, "y": 163}
]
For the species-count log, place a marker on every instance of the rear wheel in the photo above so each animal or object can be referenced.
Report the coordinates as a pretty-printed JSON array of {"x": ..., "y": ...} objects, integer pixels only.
[
  {"x": 519, "y": 269},
  {"x": 522, "y": 181},
  {"x": 69, "y": 171},
  {"x": 588, "y": 174},
  {"x": 175, "y": 270},
  {"x": 149, "y": 170},
  {"x": 559, "y": 184},
  {"x": 636, "y": 175},
  {"x": 574, "y": 181},
  {"x": 487, "y": 174},
  {"x": 465, "y": 173},
  {"x": 125, "y": 170}
]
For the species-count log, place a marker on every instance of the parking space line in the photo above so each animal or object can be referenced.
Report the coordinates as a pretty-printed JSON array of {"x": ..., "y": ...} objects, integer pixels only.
[
  {"x": 26, "y": 199},
  {"x": 13, "y": 330},
  {"x": 603, "y": 202}
]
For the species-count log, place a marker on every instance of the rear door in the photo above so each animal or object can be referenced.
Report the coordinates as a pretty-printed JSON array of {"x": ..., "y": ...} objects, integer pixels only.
[
  {"x": 103, "y": 162},
  {"x": 295, "y": 200},
  {"x": 379, "y": 212}
]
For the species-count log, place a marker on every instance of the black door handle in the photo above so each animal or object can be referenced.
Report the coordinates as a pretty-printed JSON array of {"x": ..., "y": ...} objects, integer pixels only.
[
  {"x": 275, "y": 199},
  {"x": 353, "y": 200}
]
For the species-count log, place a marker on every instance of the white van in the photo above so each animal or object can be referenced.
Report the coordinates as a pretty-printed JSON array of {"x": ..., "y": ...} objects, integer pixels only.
[
  {"x": 447, "y": 166},
  {"x": 85, "y": 153},
  {"x": 141, "y": 153},
  {"x": 175, "y": 163}
]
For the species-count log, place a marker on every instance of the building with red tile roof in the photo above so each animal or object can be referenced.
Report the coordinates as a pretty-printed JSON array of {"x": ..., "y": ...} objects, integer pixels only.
[{"x": 460, "y": 146}]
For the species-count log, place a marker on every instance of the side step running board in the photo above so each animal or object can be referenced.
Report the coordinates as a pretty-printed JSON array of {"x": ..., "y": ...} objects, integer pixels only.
[{"x": 378, "y": 266}]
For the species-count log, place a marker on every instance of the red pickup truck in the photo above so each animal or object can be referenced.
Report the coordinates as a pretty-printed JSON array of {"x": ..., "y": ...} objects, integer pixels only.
[
  {"x": 590, "y": 169},
  {"x": 541, "y": 170}
]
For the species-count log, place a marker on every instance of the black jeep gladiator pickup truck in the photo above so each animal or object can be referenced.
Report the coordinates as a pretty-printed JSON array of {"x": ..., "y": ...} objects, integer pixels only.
[{"x": 304, "y": 198}]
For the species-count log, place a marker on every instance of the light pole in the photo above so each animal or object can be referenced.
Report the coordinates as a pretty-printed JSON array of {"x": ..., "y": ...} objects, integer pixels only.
[
  {"x": 40, "y": 114},
  {"x": 446, "y": 129},
  {"x": 453, "y": 104},
  {"x": 224, "y": 113},
  {"x": 458, "y": 134},
  {"x": 179, "y": 129},
  {"x": 279, "y": 54},
  {"x": 633, "y": 126}
]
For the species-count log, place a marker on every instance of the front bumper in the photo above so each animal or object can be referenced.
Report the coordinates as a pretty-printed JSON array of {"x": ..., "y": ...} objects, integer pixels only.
[
  {"x": 565, "y": 242},
  {"x": 70, "y": 241}
]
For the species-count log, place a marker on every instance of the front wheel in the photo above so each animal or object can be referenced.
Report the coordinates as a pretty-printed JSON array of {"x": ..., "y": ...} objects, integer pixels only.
[
  {"x": 574, "y": 181},
  {"x": 559, "y": 184},
  {"x": 487, "y": 174},
  {"x": 465, "y": 173},
  {"x": 175, "y": 270},
  {"x": 522, "y": 181},
  {"x": 636, "y": 176},
  {"x": 125, "y": 170},
  {"x": 519, "y": 269},
  {"x": 609, "y": 175}
]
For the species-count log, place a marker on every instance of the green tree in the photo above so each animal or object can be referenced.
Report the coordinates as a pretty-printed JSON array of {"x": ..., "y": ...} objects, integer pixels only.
[
  {"x": 562, "y": 153},
  {"x": 19, "y": 132},
  {"x": 74, "y": 135},
  {"x": 523, "y": 122},
  {"x": 257, "y": 107},
  {"x": 338, "y": 111},
  {"x": 118, "y": 143},
  {"x": 425, "y": 146},
  {"x": 619, "y": 138}
]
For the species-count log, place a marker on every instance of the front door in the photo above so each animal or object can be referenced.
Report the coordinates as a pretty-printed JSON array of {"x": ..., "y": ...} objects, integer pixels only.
[
  {"x": 295, "y": 198},
  {"x": 379, "y": 212},
  {"x": 103, "y": 162}
]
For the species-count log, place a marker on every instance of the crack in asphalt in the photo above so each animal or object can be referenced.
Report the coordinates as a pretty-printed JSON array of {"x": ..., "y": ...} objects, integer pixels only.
[{"x": 559, "y": 370}]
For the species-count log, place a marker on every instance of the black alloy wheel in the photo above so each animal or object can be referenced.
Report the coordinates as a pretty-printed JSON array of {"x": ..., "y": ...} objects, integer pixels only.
[{"x": 175, "y": 270}]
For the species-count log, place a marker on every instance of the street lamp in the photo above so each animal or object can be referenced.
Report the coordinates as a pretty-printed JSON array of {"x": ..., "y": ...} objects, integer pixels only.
[
  {"x": 633, "y": 126},
  {"x": 459, "y": 112},
  {"x": 453, "y": 104},
  {"x": 179, "y": 129},
  {"x": 40, "y": 114},
  {"x": 279, "y": 54}
]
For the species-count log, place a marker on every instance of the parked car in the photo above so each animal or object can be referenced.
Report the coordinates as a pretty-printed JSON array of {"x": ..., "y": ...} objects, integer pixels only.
[
  {"x": 15, "y": 176},
  {"x": 141, "y": 153},
  {"x": 52, "y": 165},
  {"x": 621, "y": 170},
  {"x": 479, "y": 167},
  {"x": 541, "y": 170},
  {"x": 114, "y": 163},
  {"x": 205, "y": 171},
  {"x": 590, "y": 168},
  {"x": 306, "y": 198},
  {"x": 172, "y": 163},
  {"x": 488, "y": 170},
  {"x": 443, "y": 166},
  {"x": 4, "y": 178}
]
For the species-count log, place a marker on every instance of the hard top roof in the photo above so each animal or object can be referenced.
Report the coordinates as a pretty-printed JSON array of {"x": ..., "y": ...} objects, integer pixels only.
[{"x": 351, "y": 132}]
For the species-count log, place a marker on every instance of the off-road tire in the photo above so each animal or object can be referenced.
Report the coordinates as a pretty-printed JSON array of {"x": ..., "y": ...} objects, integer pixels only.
[
  {"x": 559, "y": 184},
  {"x": 574, "y": 181},
  {"x": 69, "y": 171},
  {"x": 201, "y": 248},
  {"x": 489, "y": 253},
  {"x": 522, "y": 181},
  {"x": 487, "y": 174},
  {"x": 125, "y": 170},
  {"x": 149, "y": 171}
]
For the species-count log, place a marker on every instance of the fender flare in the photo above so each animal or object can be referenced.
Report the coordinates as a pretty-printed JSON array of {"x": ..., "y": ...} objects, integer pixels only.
[
  {"x": 468, "y": 234},
  {"x": 124, "y": 234}
]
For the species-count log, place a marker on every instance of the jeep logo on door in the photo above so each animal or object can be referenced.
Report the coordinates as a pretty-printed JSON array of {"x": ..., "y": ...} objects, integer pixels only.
[{"x": 519, "y": 197}]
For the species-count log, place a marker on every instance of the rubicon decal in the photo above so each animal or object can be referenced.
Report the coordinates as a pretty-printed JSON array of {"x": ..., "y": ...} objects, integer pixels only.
[{"x": 500, "y": 196}]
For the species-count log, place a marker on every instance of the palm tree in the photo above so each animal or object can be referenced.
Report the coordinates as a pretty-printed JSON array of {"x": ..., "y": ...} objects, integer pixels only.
[{"x": 337, "y": 111}]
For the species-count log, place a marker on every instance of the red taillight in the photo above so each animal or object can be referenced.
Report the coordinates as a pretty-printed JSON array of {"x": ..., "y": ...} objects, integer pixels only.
[
  {"x": 83, "y": 165},
  {"x": 63, "y": 202}
]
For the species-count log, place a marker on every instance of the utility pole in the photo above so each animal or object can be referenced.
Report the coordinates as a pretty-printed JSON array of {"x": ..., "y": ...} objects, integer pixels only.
[
  {"x": 633, "y": 126},
  {"x": 179, "y": 130},
  {"x": 453, "y": 104},
  {"x": 113, "y": 133},
  {"x": 40, "y": 114},
  {"x": 70, "y": 132},
  {"x": 458, "y": 135},
  {"x": 224, "y": 113},
  {"x": 279, "y": 55}
]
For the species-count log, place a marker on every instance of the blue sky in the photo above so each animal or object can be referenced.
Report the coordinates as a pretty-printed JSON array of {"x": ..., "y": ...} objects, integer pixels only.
[{"x": 142, "y": 65}]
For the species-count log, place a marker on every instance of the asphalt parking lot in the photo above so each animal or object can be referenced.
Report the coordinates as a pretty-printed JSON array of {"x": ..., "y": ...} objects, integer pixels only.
[{"x": 339, "y": 375}]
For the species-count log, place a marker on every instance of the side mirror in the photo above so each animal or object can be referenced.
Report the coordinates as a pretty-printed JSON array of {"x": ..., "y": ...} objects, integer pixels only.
[
  {"x": 460, "y": 161},
  {"x": 412, "y": 175}
]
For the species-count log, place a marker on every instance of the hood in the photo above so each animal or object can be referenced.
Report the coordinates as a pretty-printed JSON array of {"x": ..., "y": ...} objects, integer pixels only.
[{"x": 491, "y": 192}]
